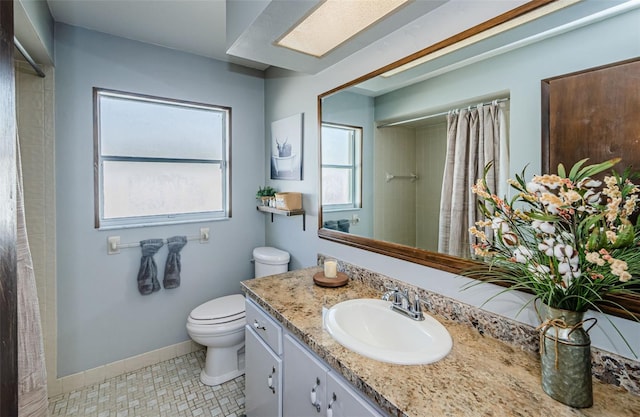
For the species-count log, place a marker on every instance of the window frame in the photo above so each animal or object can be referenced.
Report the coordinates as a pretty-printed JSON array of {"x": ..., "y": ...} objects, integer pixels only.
[
  {"x": 102, "y": 223},
  {"x": 356, "y": 167}
]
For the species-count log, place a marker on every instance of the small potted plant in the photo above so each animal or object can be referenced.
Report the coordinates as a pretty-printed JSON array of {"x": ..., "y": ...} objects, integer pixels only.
[{"x": 265, "y": 194}]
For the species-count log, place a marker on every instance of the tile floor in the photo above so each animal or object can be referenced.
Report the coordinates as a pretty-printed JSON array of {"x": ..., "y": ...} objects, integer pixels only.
[{"x": 171, "y": 388}]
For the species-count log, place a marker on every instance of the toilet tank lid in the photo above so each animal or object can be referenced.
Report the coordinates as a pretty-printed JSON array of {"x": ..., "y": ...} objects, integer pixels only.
[
  {"x": 269, "y": 255},
  {"x": 219, "y": 308}
]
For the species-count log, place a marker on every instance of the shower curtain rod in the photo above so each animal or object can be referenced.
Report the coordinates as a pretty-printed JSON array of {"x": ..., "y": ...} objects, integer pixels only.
[
  {"x": 430, "y": 116},
  {"x": 26, "y": 56}
]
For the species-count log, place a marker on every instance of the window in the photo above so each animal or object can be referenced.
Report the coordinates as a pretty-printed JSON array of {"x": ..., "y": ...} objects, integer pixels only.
[
  {"x": 341, "y": 167},
  {"x": 159, "y": 161}
]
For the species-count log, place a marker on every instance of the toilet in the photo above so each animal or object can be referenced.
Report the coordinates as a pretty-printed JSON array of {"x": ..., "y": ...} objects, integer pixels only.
[{"x": 219, "y": 324}]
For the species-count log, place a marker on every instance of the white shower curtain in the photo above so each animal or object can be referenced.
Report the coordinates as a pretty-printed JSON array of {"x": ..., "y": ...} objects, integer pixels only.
[
  {"x": 475, "y": 136},
  {"x": 32, "y": 377}
]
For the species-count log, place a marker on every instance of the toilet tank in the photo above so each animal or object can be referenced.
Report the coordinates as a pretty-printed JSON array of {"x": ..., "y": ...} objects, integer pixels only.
[{"x": 270, "y": 261}]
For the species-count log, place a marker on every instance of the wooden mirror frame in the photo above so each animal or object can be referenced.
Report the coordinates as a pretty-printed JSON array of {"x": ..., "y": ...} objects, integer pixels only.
[{"x": 436, "y": 260}]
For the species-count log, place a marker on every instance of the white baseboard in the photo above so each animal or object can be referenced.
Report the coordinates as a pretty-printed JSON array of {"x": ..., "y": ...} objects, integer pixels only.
[{"x": 57, "y": 386}]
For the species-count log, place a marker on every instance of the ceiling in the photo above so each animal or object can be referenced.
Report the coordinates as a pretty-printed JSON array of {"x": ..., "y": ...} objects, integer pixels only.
[
  {"x": 243, "y": 31},
  {"x": 238, "y": 31}
]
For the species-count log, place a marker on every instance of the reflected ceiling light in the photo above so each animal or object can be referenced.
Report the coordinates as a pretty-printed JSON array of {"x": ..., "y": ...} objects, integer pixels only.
[
  {"x": 503, "y": 27},
  {"x": 334, "y": 22}
]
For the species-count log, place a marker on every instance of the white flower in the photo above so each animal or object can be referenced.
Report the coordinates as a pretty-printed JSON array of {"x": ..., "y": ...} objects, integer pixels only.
[
  {"x": 569, "y": 271},
  {"x": 567, "y": 279},
  {"x": 552, "y": 202},
  {"x": 540, "y": 272},
  {"x": 543, "y": 269},
  {"x": 592, "y": 197},
  {"x": 547, "y": 246},
  {"x": 510, "y": 239},
  {"x": 534, "y": 188},
  {"x": 499, "y": 223},
  {"x": 564, "y": 267},
  {"x": 522, "y": 254},
  {"x": 562, "y": 251},
  {"x": 589, "y": 183},
  {"x": 544, "y": 227}
]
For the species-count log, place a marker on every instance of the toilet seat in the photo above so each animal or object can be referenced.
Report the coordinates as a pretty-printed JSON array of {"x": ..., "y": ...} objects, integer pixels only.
[{"x": 219, "y": 311}]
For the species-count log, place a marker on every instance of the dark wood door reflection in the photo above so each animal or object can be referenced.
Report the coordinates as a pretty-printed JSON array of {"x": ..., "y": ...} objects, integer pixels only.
[{"x": 592, "y": 114}]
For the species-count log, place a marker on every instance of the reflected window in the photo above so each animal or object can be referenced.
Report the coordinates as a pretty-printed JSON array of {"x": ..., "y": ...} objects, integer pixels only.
[{"x": 341, "y": 167}]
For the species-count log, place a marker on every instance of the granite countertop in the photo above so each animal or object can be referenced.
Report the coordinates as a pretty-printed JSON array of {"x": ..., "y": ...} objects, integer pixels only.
[{"x": 482, "y": 376}]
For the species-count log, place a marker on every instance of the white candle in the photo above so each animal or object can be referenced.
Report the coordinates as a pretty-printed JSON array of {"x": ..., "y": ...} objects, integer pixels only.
[{"x": 330, "y": 268}]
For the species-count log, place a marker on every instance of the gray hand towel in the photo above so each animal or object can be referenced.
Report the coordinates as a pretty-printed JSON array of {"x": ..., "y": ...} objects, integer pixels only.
[
  {"x": 148, "y": 274},
  {"x": 173, "y": 266},
  {"x": 343, "y": 225}
]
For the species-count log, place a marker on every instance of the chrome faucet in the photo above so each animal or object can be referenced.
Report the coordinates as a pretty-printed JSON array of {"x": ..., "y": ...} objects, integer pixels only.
[{"x": 401, "y": 303}]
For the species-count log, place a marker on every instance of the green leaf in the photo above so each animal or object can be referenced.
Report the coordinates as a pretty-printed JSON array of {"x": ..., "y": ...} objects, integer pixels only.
[
  {"x": 561, "y": 172},
  {"x": 576, "y": 167},
  {"x": 591, "y": 170},
  {"x": 543, "y": 217}
]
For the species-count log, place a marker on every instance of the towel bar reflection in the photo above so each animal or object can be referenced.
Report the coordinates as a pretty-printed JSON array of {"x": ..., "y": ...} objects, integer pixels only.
[
  {"x": 413, "y": 177},
  {"x": 114, "y": 245}
]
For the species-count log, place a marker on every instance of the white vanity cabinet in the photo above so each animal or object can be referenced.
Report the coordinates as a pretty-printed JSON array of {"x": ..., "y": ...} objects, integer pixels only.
[
  {"x": 305, "y": 381},
  {"x": 284, "y": 378},
  {"x": 312, "y": 389},
  {"x": 263, "y": 364},
  {"x": 344, "y": 401}
]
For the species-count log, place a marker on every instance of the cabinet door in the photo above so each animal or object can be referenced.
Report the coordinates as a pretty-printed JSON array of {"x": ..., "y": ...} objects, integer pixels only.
[
  {"x": 263, "y": 378},
  {"x": 305, "y": 381},
  {"x": 346, "y": 401}
]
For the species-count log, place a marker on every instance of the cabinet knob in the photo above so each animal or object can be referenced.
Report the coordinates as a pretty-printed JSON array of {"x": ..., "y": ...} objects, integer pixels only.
[
  {"x": 270, "y": 380},
  {"x": 314, "y": 397},
  {"x": 330, "y": 405},
  {"x": 258, "y": 325}
]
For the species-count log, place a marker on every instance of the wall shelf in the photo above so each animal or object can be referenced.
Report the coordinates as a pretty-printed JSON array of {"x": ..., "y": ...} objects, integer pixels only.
[{"x": 272, "y": 210}]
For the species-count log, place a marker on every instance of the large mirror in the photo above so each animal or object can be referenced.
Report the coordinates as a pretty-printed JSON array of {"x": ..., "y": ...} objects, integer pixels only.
[{"x": 382, "y": 183}]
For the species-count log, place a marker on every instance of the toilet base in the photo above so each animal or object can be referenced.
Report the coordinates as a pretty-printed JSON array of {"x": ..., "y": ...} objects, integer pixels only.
[
  {"x": 220, "y": 379},
  {"x": 223, "y": 364}
]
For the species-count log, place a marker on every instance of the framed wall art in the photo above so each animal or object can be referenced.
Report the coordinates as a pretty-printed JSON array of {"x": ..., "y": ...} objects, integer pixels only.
[{"x": 286, "y": 148}]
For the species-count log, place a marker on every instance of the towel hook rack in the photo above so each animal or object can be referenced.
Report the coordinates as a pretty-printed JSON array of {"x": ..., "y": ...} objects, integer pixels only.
[
  {"x": 412, "y": 177},
  {"x": 114, "y": 245}
]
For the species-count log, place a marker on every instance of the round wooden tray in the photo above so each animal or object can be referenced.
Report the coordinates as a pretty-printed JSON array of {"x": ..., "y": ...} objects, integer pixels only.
[{"x": 339, "y": 281}]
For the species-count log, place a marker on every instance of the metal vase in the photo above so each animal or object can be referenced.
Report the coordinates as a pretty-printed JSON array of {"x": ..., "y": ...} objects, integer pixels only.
[{"x": 565, "y": 353}]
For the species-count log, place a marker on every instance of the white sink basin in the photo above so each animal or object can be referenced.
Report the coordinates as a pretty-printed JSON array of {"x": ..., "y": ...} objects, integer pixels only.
[{"x": 370, "y": 328}]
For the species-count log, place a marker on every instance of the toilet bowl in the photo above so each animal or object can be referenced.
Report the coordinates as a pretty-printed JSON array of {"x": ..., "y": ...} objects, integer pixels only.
[{"x": 219, "y": 324}]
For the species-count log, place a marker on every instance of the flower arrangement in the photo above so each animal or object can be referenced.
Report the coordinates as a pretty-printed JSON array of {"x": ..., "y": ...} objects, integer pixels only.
[{"x": 567, "y": 238}]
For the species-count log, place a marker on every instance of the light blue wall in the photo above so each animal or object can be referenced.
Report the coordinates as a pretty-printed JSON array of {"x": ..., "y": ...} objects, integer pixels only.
[
  {"x": 101, "y": 316},
  {"x": 288, "y": 93}
]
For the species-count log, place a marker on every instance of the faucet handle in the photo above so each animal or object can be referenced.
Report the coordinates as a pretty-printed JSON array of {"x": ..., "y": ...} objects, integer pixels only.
[
  {"x": 417, "y": 308},
  {"x": 397, "y": 297}
]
